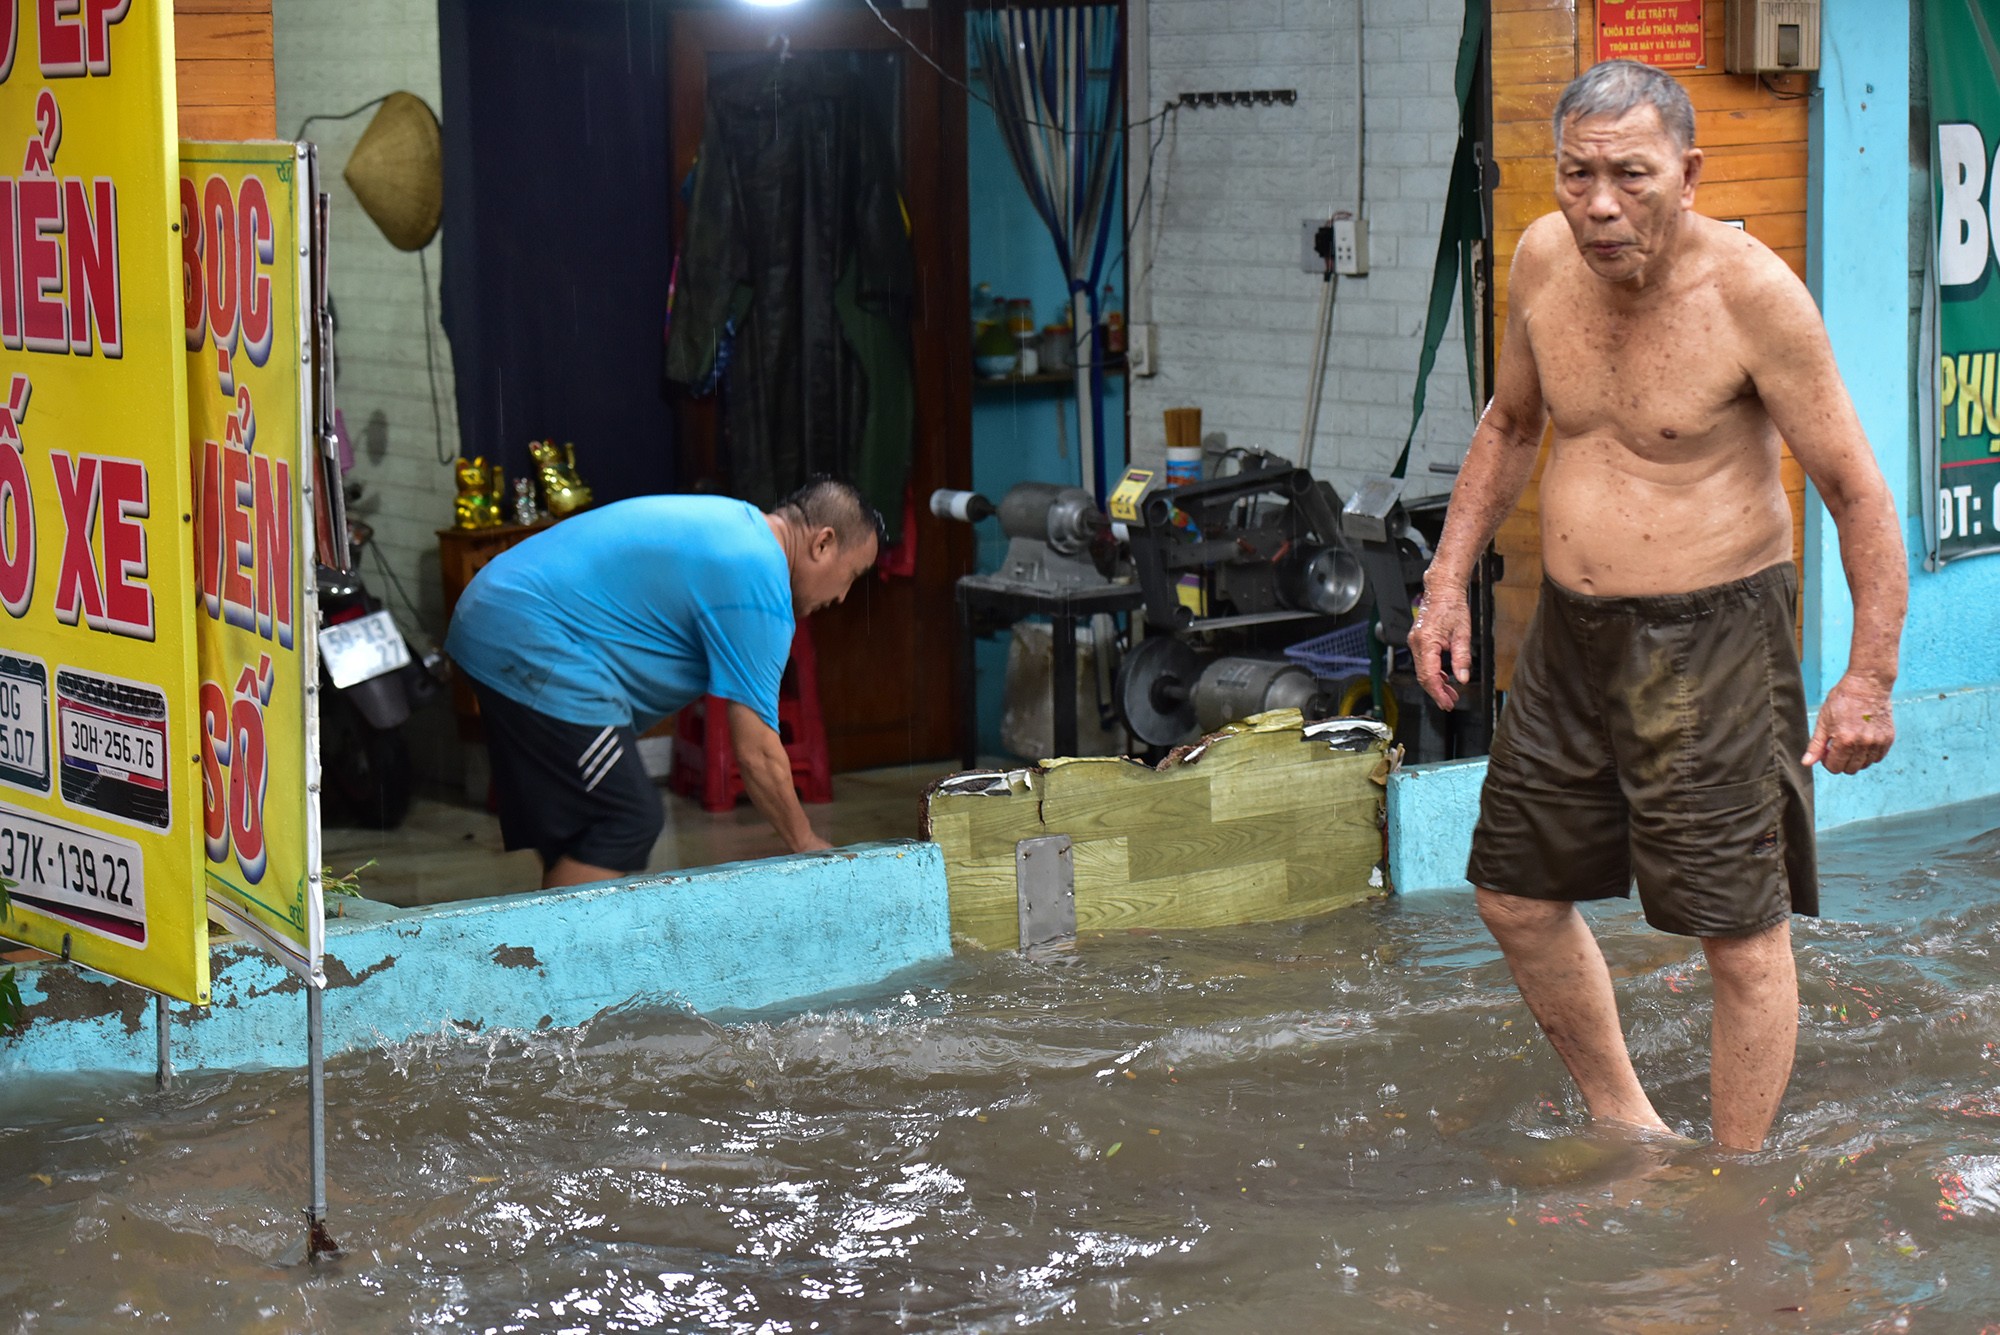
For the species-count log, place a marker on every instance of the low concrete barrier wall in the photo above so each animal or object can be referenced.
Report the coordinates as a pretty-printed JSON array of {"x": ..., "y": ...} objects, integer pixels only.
[
  {"x": 741, "y": 936},
  {"x": 1947, "y": 751}
]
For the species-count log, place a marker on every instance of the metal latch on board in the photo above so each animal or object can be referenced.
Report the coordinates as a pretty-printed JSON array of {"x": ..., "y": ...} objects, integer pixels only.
[{"x": 1045, "y": 884}]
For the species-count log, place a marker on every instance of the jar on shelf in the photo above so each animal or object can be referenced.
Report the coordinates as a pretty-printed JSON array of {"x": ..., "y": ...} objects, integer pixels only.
[
  {"x": 995, "y": 352},
  {"x": 1111, "y": 321}
]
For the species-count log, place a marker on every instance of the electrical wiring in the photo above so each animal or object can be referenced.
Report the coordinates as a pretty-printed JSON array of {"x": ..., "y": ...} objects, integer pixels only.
[
  {"x": 1784, "y": 96},
  {"x": 974, "y": 94},
  {"x": 430, "y": 364},
  {"x": 343, "y": 116}
]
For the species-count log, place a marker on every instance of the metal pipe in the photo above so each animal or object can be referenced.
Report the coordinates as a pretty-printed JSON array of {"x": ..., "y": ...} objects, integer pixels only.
[
  {"x": 165, "y": 1074},
  {"x": 318, "y": 1241},
  {"x": 1360, "y": 108},
  {"x": 1138, "y": 100},
  {"x": 1316, "y": 378}
]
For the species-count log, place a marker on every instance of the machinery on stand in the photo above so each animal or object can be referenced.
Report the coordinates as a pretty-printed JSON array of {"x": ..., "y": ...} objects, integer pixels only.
[
  {"x": 1231, "y": 568},
  {"x": 1248, "y": 592},
  {"x": 1062, "y": 562}
]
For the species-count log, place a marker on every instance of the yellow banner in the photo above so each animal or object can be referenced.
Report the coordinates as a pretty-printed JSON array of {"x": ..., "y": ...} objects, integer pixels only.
[
  {"x": 100, "y": 772},
  {"x": 246, "y": 312}
]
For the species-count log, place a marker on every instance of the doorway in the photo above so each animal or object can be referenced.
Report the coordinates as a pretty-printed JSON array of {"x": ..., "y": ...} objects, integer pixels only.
[{"x": 888, "y": 691}]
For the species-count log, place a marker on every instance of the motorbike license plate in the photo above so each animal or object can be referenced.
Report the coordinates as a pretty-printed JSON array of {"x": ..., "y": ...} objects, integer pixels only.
[{"x": 356, "y": 651}]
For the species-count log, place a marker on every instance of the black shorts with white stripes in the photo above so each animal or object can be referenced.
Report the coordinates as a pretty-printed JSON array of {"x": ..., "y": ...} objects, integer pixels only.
[{"x": 570, "y": 789}]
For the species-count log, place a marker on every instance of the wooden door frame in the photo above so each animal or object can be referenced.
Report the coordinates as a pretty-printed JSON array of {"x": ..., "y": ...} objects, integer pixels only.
[{"x": 934, "y": 130}]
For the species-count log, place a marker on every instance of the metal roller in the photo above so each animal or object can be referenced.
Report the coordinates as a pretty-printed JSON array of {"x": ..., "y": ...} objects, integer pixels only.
[
  {"x": 1326, "y": 580},
  {"x": 1156, "y": 685},
  {"x": 1235, "y": 688},
  {"x": 1168, "y": 694}
]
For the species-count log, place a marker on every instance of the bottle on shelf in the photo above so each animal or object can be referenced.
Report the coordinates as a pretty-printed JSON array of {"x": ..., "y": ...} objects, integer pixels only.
[
  {"x": 1059, "y": 342},
  {"x": 1112, "y": 321},
  {"x": 1021, "y": 321}
]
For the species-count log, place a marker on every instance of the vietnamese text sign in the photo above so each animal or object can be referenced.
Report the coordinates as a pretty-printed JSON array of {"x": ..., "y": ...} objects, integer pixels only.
[
  {"x": 100, "y": 796},
  {"x": 1965, "y": 132},
  {"x": 246, "y": 315},
  {"x": 1667, "y": 33}
]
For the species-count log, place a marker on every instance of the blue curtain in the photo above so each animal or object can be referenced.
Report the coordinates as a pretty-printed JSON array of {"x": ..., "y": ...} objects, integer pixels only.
[
  {"x": 1065, "y": 132},
  {"x": 555, "y": 271}
]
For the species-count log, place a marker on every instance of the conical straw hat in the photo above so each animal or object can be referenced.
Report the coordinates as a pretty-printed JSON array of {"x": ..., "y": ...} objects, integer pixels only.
[{"x": 397, "y": 171}]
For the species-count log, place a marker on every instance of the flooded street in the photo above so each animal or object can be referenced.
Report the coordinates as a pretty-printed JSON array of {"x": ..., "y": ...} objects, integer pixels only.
[{"x": 1349, "y": 1124}]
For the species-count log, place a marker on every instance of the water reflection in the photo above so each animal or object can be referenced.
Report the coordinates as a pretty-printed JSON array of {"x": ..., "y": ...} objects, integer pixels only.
[{"x": 1349, "y": 1124}]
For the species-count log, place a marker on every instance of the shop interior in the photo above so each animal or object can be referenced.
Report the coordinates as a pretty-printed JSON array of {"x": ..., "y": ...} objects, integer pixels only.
[{"x": 1181, "y": 313}]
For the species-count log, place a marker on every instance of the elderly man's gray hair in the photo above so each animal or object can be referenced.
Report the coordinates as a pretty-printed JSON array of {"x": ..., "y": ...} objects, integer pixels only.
[{"x": 1615, "y": 87}]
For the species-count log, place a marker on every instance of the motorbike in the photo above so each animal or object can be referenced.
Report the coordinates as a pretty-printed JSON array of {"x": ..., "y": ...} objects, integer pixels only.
[{"x": 369, "y": 682}]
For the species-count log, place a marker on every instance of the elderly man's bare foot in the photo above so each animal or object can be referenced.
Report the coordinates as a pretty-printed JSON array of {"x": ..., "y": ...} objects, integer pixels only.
[{"x": 1602, "y": 1156}]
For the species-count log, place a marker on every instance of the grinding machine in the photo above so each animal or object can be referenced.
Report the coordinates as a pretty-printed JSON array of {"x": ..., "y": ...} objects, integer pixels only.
[{"x": 1225, "y": 574}]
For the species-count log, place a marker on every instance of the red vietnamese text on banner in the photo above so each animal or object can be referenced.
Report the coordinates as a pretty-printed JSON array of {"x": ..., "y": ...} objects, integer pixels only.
[{"x": 1666, "y": 33}]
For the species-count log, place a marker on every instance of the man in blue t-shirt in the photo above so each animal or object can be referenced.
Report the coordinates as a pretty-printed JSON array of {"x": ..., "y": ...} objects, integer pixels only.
[{"x": 597, "y": 628}]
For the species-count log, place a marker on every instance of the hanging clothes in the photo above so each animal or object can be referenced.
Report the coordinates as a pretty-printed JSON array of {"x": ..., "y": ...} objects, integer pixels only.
[{"x": 796, "y": 275}]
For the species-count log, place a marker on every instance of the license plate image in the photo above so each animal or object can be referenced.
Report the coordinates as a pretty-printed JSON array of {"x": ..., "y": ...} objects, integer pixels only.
[
  {"x": 94, "y": 880},
  {"x": 24, "y": 723},
  {"x": 356, "y": 651},
  {"x": 111, "y": 739}
]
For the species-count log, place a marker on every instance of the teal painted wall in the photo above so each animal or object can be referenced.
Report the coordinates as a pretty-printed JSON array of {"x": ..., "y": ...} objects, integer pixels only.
[
  {"x": 1015, "y": 435},
  {"x": 1865, "y": 187},
  {"x": 1945, "y": 753},
  {"x": 738, "y": 937}
]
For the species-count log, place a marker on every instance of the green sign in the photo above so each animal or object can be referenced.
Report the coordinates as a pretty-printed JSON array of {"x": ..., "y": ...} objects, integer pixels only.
[{"x": 1965, "y": 206}]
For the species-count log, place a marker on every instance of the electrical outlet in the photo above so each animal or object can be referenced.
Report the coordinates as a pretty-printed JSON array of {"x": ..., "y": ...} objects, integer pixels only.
[
  {"x": 1350, "y": 246},
  {"x": 1141, "y": 351}
]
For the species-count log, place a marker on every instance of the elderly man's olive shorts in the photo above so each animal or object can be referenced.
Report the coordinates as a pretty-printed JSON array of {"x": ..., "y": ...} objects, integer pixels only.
[{"x": 1656, "y": 740}]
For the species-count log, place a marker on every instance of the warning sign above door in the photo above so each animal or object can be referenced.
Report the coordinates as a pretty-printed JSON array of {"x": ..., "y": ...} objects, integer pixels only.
[{"x": 1666, "y": 33}]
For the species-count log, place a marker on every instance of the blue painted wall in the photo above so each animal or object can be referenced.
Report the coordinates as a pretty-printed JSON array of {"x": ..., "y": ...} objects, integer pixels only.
[
  {"x": 1014, "y": 428},
  {"x": 1859, "y": 262},
  {"x": 737, "y": 937}
]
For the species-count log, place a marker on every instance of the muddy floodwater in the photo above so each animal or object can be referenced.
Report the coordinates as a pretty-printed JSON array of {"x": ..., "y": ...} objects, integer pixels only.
[{"x": 1345, "y": 1125}]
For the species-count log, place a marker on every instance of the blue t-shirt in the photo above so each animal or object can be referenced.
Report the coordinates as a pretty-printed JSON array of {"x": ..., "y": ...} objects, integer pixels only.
[{"x": 623, "y": 614}]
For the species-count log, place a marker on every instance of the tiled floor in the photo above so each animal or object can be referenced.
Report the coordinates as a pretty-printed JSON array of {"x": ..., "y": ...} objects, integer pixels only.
[{"x": 446, "y": 851}]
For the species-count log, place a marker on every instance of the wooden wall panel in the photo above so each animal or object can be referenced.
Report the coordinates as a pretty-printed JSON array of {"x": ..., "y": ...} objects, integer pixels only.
[
  {"x": 223, "y": 65},
  {"x": 1754, "y": 146}
]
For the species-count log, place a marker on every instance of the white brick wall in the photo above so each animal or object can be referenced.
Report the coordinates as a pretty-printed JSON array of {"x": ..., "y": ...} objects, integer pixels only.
[
  {"x": 1235, "y": 314},
  {"x": 329, "y": 59}
]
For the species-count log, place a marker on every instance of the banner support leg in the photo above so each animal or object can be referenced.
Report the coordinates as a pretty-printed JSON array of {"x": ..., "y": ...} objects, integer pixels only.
[
  {"x": 319, "y": 1242},
  {"x": 165, "y": 1073}
]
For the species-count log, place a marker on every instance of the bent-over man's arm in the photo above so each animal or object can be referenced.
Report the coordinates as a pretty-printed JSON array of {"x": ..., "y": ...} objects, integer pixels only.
[
  {"x": 1797, "y": 379},
  {"x": 1496, "y": 470},
  {"x": 767, "y": 777}
]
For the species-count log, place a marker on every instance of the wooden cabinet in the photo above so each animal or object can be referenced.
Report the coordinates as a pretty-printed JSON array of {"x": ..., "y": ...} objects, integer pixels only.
[{"x": 462, "y": 553}]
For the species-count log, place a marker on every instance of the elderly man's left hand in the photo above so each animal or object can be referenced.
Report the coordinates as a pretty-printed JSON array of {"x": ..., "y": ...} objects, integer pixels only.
[{"x": 1856, "y": 727}]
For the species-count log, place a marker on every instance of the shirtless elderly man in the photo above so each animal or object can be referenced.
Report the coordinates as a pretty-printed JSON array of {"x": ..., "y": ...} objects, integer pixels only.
[{"x": 1656, "y": 729}]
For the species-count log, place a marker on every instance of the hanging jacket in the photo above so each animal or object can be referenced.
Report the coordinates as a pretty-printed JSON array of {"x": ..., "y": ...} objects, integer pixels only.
[{"x": 797, "y": 266}]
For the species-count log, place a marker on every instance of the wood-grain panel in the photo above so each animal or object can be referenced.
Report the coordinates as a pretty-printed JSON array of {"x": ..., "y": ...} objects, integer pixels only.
[
  {"x": 1255, "y": 828},
  {"x": 1754, "y": 143},
  {"x": 223, "y": 68}
]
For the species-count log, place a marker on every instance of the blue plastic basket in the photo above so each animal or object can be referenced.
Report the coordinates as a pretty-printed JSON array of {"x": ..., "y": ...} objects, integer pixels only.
[{"x": 1338, "y": 653}]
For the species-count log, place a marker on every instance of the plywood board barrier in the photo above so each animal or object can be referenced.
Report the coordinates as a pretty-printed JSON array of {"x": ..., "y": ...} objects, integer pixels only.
[{"x": 1264, "y": 822}]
